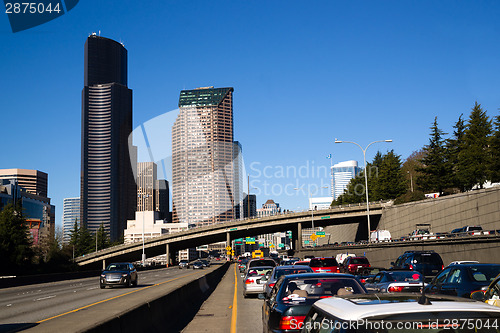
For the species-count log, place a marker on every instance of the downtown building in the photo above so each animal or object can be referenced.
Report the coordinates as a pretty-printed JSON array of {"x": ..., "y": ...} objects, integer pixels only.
[
  {"x": 71, "y": 215},
  {"x": 203, "y": 170},
  {"x": 152, "y": 193},
  {"x": 342, "y": 174},
  {"x": 108, "y": 190}
]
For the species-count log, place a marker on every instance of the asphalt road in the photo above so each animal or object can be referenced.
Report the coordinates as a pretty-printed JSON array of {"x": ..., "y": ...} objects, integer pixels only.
[
  {"x": 35, "y": 303},
  {"x": 226, "y": 310}
]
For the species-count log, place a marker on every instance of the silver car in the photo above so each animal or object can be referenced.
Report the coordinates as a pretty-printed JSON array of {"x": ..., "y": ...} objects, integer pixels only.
[
  {"x": 278, "y": 271},
  {"x": 252, "y": 283}
]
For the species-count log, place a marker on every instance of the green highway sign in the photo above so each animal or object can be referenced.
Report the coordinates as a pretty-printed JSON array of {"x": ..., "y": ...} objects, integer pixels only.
[
  {"x": 325, "y": 217},
  {"x": 250, "y": 240},
  {"x": 281, "y": 245},
  {"x": 320, "y": 233},
  {"x": 306, "y": 242},
  {"x": 233, "y": 229}
]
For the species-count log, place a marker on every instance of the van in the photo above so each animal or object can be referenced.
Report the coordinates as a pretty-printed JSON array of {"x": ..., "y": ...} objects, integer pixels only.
[{"x": 380, "y": 236}]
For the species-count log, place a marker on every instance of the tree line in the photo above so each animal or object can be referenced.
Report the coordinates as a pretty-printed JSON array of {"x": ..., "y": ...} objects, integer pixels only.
[{"x": 466, "y": 160}]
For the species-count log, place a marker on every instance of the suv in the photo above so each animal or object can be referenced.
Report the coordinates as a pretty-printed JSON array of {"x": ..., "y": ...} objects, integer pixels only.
[
  {"x": 353, "y": 265},
  {"x": 324, "y": 265},
  {"x": 371, "y": 313},
  {"x": 428, "y": 263},
  {"x": 469, "y": 229}
]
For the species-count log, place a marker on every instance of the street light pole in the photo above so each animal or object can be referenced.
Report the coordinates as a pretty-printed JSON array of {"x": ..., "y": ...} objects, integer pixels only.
[{"x": 366, "y": 177}]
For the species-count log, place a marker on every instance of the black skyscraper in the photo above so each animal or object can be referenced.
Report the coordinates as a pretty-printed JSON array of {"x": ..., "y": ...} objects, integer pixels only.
[{"x": 108, "y": 190}]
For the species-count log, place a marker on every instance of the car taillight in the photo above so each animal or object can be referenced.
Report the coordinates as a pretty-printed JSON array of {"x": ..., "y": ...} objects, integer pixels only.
[
  {"x": 291, "y": 322},
  {"x": 411, "y": 267},
  {"x": 271, "y": 285},
  {"x": 395, "y": 288},
  {"x": 442, "y": 267},
  {"x": 248, "y": 281}
]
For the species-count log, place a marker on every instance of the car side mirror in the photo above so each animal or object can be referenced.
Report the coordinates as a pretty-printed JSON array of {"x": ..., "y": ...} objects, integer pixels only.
[{"x": 478, "y": 295}]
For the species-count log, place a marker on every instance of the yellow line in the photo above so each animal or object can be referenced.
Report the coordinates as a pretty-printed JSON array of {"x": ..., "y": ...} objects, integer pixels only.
[
  {"x": 234, "y": 313},
  {"x": 109, "y": 299}
]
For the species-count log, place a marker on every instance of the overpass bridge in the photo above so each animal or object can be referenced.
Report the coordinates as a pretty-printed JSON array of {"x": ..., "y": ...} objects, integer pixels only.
[{"x": 228, "y": 231}]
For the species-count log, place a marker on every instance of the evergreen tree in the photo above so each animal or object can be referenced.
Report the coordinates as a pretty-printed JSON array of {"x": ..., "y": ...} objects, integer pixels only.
[
  {"x": 436, "y": 170},
  {"x": 391, "y": 181},
  {"x": 15, "y": 243},
  {"x": 410, "y": 167},
  {"x": 494, "y": 168},
  {"x": 86, "y": 243},
  {"x": 102, "y": 238},
  {"x": 454, "y": 147},
  {"x": 373, "y": 177},
  {"x": 474, "y": 159}
]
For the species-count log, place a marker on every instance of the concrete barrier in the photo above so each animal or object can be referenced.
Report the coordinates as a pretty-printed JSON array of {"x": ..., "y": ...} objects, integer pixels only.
[{"x": 167, "y": 313}]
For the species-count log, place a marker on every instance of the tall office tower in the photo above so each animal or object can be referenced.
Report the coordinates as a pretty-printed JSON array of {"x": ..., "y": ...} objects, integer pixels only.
[
  {"x": 162, "y": 198},
  {"x": 108, "y": 189},
  {"x": 238, "y": 180},
  {"x": 202, "y": 157},
  {"x": 343, "y": 172},
  {"x": 71, "y": 213},
  {"x": 249, "y": 205},
  {"x": 33, "y": 181},
  {"x": 146, "y": 181}
]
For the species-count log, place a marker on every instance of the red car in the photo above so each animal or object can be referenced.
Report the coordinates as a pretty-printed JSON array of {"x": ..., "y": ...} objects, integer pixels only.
[
  {"x": 324, "y": 265},
  {"x": 354, "y": 265}
]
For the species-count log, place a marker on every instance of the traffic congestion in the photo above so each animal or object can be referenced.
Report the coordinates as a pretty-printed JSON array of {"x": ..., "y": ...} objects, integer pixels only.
[{"x": 344, "y": 293}]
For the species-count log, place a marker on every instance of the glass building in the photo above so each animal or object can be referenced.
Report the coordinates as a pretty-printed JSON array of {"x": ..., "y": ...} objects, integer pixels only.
[
  {"x": 71, "y": 213},
  {"x": 342, "y": 173}
]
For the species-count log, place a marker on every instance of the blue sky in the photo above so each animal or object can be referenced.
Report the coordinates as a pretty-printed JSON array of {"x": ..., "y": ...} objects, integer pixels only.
[{"x": 303, "y": 72}]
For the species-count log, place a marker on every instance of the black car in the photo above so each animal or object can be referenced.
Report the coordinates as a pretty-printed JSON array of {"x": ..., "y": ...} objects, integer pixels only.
[
  {"x": 428, "y": 263},
  {"x": 463, "y": 279},
  {"x": 293, "y": 295},
  {"x": 122, "y": 273},
  {"x": 197, "y": 265}
]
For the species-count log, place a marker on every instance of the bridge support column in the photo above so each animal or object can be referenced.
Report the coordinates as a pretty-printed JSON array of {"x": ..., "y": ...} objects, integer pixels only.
[
  {"x": 167, "y": 252},
  {"x": 103, "y": 264},
  {"x": 297, "y": 237}
]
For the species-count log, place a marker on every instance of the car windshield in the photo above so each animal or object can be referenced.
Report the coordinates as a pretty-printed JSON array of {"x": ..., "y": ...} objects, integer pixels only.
[
  {"x": 257, "y": 263},
  {"x": 484, "y": 273},
  {"x": 117, "y": 267},
  {"x": 316, "y": 288},
  {"x": 323, "y": 262},
  {"x": 405, "y": 276}
]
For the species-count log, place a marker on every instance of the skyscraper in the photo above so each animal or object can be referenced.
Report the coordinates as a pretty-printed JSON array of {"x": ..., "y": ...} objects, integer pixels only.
[
  {"x": 108, "y": 190},
  {"x": 238, "y": 180},
  {"x": 343, "y": 172},
  {"x": 162, "y": 198},
  {"x": 202, "y": 157},
  {"x": 71, "y": 213},
  {"x": 33, "y": 181},
  {"x": 146, "y": 181}
]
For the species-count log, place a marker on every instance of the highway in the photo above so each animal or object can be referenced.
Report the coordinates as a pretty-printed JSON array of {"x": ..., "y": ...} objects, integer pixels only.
[{"x": 26, "y": 305}]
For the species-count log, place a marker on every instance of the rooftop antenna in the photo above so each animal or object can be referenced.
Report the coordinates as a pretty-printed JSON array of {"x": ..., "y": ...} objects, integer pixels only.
[{"x": 99, "y": 33}]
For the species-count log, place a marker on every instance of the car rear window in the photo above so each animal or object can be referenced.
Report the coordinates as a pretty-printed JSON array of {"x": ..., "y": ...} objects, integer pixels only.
[
  {"x": 268, "y": 262},
  {"x": 484, "y": 273},
  {"x": 428, "y": 258},
  {"x": 405, "y": 276},
  {"x": 327, "y": 262},
  {"x": 316, "y": 288},
  {"x": 359, "y": 261},
  {"x": 282, "y": 272}
]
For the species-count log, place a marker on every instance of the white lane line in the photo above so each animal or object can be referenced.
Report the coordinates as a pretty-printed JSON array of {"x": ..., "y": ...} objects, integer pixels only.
[
  {"x": 41, "y": 299},
  {"x": 91, "y": 288},
  {"x": 9, "y": 305}
]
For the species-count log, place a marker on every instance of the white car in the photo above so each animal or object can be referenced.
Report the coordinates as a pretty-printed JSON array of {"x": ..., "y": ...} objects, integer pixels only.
[
  {"x": 252, "y": 283},
  {"x": 370, "y": 313}
]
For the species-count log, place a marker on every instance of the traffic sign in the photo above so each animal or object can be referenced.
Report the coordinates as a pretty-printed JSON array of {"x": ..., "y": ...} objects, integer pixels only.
[
  {"x": 306, "y": 242},
  {"x": 281, "y": 245},
  {"x": 250, "y": 240},
  {"x": 325, "y": 217},
  {"x": 313, "y": 237},
  {"x": 228, "y": 248},
  {"x": 320, "y": 234}
]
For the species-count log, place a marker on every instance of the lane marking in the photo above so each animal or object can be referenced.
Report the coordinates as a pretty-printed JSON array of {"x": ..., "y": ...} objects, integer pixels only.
[
  {"x": 115, "y": 297},
  {"x": 234, "y": 312},
  {"x": 41, "y": 299}
]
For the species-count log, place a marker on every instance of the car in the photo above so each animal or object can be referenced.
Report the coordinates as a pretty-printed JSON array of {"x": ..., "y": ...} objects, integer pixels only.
[
  {"x": 242, "y": 264},
  {"x": 429, "y": 263},
  {"x": 293, "y": 295},
  {"x": 260, "y": 262},
  {"x": 324, "y": 265},
  {"x": 302, "y": 262},
  {"x": 253, "y": 284},
  {"x": 373, "y": 313},
  {"x": 121, "y": 273},
  {"x": 472, "y": 230},
  {"x": 353, "y": 265},
  {"x": 205, "y": 263},
  {"x": 183, "y": 264},
  {"x": 490, "y": 295},
  {"x": 396, "y": 281},
  {"x": 367, "y": 274},
  {"x": 279, "y": 271},
  {"x": 197, "y": 264},
  {"x": 463, "y": 279}
]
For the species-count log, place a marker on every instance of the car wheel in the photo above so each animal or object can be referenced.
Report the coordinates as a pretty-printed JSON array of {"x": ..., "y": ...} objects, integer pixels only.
[
  {"x": 102, "y": 286},
  {"x": 136, "y": 282},
  {"x": 129, "y": 283}
]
